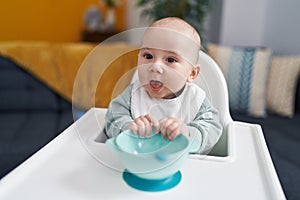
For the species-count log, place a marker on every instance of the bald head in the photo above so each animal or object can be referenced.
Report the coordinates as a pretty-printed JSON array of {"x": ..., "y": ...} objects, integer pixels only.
[{"x": 178, "y": 25}]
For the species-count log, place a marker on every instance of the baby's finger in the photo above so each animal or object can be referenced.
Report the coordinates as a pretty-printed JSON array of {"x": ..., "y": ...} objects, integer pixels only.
[
  {"x": 173, "y": 132},
  {"x": 162, "y": 127},
  {"x": 154, "y": 124},
  {"x": 133, "y": 127},
  {"x": 148, "y": 130},
  {"x": 143, "y": 125},
  {"x": 170, "y": 128},
  {"x": 148, "y": 117},
  {"x": 141, "y": 131}
]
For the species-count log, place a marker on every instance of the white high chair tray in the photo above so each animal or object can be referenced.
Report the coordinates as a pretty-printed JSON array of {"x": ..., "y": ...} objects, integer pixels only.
[{"x": 64, "y": 169}]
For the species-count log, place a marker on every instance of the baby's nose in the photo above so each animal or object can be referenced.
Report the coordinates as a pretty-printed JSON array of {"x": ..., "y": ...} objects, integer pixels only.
[{"x": 156, "y": 67}]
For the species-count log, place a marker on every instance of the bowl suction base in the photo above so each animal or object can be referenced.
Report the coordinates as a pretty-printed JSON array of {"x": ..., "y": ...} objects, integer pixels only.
[{"x": 151, "y": 185}]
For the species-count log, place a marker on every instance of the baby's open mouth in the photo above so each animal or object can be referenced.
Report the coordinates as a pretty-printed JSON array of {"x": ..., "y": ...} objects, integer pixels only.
[{"x": 156, "y": 85}]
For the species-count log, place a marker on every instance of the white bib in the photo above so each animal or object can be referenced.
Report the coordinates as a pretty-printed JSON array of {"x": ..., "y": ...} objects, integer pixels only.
[{"x": 184, "y": 107}]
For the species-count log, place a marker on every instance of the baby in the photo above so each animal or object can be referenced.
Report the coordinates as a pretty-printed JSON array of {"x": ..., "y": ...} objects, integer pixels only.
[{"x": 164, "y": 99}]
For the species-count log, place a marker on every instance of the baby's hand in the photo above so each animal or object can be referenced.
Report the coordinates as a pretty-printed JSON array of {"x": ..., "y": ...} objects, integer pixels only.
[
  {"x": 170, "y": 128},
  {"x": 143, "y": 125}
]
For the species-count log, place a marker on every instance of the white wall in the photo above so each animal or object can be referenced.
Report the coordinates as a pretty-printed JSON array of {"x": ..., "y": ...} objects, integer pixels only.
[
  {"x": 282, "y": 26},
  {"x": 269, "y": 23},
  {"x": 242, "y": 22}
]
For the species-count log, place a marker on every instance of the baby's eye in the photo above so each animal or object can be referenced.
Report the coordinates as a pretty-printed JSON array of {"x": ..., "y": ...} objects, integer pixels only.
[
  {"x": 148, "y": 56},
  {"x": 171, "y": 60}
]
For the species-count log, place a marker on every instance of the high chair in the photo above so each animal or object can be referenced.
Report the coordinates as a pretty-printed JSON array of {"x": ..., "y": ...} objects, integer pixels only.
[{"x": 78, "y": 165}]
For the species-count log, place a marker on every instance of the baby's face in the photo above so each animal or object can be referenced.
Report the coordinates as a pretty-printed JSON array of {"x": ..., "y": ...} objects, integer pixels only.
[{"x": 162, "y": 73}]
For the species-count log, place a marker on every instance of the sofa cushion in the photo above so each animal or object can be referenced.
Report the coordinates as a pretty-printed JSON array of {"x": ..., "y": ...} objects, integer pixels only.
[
  {"x": 245, "y": 70},
  {"x": 282, "y": 85}
]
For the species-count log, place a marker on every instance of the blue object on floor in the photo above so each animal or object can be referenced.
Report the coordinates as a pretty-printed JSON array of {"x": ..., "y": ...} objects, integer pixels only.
[
  {"x": 151, "y": 185},
  {"x": 79, "y": 114}
]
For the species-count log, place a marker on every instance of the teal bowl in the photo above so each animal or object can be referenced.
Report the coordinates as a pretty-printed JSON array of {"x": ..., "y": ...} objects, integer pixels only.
[{"x": 152, "y": 158}]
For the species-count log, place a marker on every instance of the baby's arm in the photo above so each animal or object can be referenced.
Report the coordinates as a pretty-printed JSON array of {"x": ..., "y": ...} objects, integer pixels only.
[
  {"x": 205, "y": 129},
  {"x": 118, "y": 115}
]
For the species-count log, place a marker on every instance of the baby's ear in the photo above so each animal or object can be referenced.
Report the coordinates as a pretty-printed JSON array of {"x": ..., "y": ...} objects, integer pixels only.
[{"x": 194, "y": 73}]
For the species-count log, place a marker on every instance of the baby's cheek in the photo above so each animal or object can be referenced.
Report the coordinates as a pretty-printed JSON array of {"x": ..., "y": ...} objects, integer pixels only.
[
  {"x": 143, "y": 75},
  {"x": 174, "y": 81}
]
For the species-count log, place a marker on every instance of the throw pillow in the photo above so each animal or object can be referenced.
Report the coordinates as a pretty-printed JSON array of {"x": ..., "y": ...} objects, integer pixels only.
[
  {"x": 245, "y": 70},
  {"x": 282, "y": 82}
]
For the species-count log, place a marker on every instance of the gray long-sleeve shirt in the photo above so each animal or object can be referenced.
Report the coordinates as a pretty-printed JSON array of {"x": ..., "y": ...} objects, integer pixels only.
[{"x": 204, "y": 130}]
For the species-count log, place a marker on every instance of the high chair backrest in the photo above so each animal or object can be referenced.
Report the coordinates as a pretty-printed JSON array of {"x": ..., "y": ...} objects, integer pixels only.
[{"x": 212, "y": 81}]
